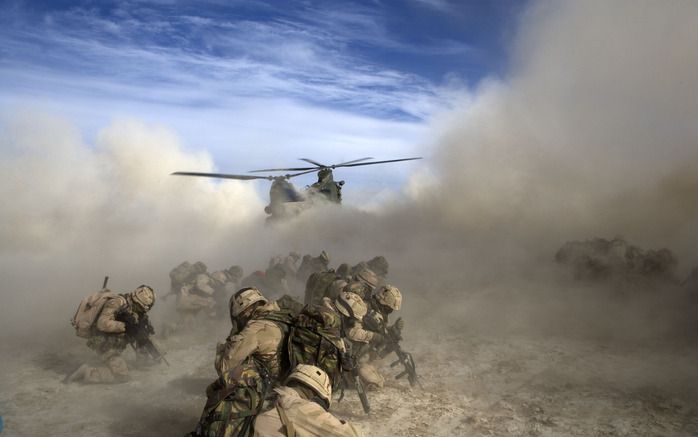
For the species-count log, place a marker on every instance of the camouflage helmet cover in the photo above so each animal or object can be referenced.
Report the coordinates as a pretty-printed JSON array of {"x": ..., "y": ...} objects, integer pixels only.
[
  {"x": 389, "y": 296},
  {"x": 351, "y": 305},
  {"x": 314, "y": 378},
  {"x": 200, "y": 267},
  {"x": 243, "y": 299},
  {"x": 144, "y": 296}
]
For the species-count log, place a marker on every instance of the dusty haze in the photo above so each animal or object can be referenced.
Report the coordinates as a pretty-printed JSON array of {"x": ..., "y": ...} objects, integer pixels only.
[{"x": 593, "y": 132}]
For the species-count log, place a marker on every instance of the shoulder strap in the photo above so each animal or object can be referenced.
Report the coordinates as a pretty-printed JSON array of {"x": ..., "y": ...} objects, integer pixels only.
[{"x": 290, "y": 430}]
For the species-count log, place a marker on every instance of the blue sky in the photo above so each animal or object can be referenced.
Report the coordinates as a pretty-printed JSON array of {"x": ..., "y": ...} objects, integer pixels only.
[{"x": 256, "y": 83}]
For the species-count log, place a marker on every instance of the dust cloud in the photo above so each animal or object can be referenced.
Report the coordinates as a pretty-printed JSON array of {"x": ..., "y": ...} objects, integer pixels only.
[{"x": 592, "y": 133}]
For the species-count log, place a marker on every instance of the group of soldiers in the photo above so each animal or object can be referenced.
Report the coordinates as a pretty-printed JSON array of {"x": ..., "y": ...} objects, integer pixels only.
[{"x": 283, "y": 359}]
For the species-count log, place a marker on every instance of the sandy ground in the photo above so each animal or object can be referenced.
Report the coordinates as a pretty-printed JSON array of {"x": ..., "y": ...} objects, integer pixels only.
[{"x": 474, "y": 385}]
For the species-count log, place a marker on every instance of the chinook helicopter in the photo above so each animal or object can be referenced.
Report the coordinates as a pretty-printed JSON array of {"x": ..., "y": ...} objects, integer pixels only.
[{"x": 287, "y": 201}]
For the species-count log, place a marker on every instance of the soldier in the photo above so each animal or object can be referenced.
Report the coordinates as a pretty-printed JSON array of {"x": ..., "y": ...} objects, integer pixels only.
[
  {"x": 196, "y": 297},
  {"x": 363, "y": 283},
  {"x": 360, "y": 339},
  {"x": 310, "y": 265},
  {"x": 183, "y": 274},
  {"x": 302, "y": 408},
  {"x": 383, "y": 302},
  {"x": 110, "y": 335},
  {"x": 259, "y": 331}
]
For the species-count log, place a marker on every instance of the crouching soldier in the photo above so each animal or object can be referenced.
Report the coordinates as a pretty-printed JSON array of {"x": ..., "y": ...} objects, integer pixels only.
[
  {"x": 301, "y": 408},
  {"x": 361, "y": 340},
  {"x": 108, "y": 321},
  {"x": 259, "y": 331}
]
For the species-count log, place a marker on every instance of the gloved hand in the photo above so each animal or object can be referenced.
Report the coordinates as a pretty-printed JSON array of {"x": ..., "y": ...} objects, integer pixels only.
[
  {"x": 399, "y": 325},
  {"x": 131, "y": 323},
  {"x": 131, "y": 330}
]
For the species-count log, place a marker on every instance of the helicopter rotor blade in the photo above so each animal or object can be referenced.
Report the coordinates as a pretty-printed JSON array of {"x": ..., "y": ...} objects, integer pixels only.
[
  {"x": 312, "y": 162},
  {"x": 377, "y": 162},
  {"x": 350, "y": 162},
  {"x": 354, "y": 163},
  {"x": 221, "y": 175},
  {"x": 298, "y": 174},
  {"x": 285, "y": 169}
]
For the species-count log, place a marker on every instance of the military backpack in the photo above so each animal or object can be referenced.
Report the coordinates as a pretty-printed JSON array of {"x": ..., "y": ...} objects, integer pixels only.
[
  {"x": 88, "y": 311},
  {"x": 317, "y": 285},
  {"x": 315, "y": 338}
]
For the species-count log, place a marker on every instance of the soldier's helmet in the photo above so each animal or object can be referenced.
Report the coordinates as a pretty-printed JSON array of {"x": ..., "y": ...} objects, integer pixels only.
[
  {"x": 378, "y": 264},
  {"x": 351, "y": 305},
  {"x": 200, "y": 267},
  {"x": 295, "y": 255},
  {"x": 144, "y": 296},
  {"x": 245, "y": 298},
  {"x": 389, "y": 296},
  {"x": 368, "y": 277},
  {"x": 314, "y": 378}
]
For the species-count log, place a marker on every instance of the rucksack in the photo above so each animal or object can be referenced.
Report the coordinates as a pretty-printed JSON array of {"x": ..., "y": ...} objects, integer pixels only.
[
  {"x": 290, "y": 304},
  {"x": 88, "y": 311},
  {"x": 315, "y": 338},
  {"x": 183, "y": 273},
  {"x": 233, "y": 401},
  {"x": 317, "y": 285}
]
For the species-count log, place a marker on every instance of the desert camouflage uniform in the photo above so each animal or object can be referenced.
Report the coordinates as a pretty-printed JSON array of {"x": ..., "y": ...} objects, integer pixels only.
[
  {"x": 363, "y": 342},
  {"x": 359, "y": 339},
  {"x": 261, "y": 338},
  {"x": 195, "y": 297},
  {"x": 109, "y": 341},
  {"x": 295, "y": 415}
]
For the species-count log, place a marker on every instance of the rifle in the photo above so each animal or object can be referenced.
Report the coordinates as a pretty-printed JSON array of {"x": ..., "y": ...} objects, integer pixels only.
[
  {"x": 349, "y": 363},
  {"x": 393, "y": 339},
  {"x": 104, "y": 284},
  {"x": 138, "y": 334}
]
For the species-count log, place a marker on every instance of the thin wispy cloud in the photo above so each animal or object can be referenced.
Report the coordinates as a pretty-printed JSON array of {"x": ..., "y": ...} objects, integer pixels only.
[
  {"x": 276, "y": 58},
  {"x": 250, "y": 82}
]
